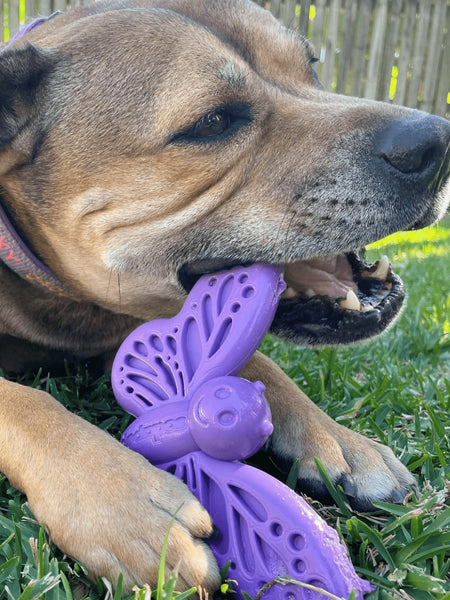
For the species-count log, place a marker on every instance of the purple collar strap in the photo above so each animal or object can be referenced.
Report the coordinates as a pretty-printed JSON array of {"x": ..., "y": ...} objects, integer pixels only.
[
  {"x": 26, "y": 28},
  {"x": 13, "y": 251}
]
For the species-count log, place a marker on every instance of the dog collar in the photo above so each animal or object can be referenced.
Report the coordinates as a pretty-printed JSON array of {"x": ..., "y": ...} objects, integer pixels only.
[
  {"x": 19, "y": 258},
  {"x": 26, "y": 28},
  {"x": 13, "y": 251}
]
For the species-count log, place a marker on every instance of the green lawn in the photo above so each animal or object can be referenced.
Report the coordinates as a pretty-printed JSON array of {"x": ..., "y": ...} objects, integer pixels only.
[{"x": 396, "y": 388}]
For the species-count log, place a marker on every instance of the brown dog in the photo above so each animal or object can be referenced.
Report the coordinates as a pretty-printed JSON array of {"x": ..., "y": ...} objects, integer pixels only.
[{"x": 143, "y": 143}]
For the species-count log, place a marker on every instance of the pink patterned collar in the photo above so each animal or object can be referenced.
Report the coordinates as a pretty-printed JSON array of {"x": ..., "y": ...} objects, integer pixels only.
[{"x": 14, "y": 253}]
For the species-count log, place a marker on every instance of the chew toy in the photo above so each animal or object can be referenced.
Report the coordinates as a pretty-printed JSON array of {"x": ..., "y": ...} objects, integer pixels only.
[{"x": 196, "y": 419}]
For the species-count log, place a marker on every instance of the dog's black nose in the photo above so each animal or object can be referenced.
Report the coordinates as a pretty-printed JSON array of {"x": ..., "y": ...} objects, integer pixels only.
[{"x": 417, "y": 146}]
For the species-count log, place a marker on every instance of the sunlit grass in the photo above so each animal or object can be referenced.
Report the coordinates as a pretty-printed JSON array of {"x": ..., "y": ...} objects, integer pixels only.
[
  {"x": 435, "y": 233},
  {"x": 422, "y": 258}
]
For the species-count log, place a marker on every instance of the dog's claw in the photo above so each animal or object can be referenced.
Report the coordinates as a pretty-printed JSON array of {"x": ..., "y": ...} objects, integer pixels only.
[
  {"x": 315, "y": 488},
  {"x": 397, "y": 497},
  {"x": 366, "y": 470},
  {"x": 415, "y": 490},
  {"x": 215, "y": 535},
  {"x": 384, "y": 482},
  {"x": 348, "y": 485}
]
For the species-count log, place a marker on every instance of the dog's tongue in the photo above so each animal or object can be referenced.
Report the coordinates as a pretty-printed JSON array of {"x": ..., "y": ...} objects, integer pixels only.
[{"x": 329, "y": 276}]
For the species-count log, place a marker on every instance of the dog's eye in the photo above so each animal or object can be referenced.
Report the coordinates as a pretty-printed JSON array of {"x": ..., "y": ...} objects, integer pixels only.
[
  {"x": 214, "y": 123},
  {"x": 217, "y": 124}
]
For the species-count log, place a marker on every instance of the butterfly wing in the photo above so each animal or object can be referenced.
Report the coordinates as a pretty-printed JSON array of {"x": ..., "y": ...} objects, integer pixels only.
[
  {"x": 266, "y": 530},
  {"x": 222, "y": 322}
]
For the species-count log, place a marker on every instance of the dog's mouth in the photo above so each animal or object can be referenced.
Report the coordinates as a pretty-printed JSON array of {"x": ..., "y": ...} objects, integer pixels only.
[{"x": 337, "y": 299}]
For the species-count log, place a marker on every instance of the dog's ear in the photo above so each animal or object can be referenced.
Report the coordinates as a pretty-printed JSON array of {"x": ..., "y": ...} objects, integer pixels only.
[{"x": 22, "y": 73}]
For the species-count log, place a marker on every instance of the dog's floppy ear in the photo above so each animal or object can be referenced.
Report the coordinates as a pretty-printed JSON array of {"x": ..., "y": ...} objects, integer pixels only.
[{"x": 22, "y": 73}]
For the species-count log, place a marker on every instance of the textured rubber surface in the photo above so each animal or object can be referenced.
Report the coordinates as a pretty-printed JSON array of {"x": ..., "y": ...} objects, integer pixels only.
[
  {"x": 218, "y": 329},
  {"x": 267, "y": 530},
  {"x": 196, "y": 419}
]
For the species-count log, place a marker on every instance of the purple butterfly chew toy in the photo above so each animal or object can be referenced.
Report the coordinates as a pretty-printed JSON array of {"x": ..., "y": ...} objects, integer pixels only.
[{"x": 196, "y": 419}]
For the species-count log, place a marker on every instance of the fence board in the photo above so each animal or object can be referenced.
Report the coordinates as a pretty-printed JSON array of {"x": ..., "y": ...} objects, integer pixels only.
[
  {"x": 362, "y": 40},
  {"x": 407, "y": 35},
  {"x": 318, "y": 27},
  {"x": 331, "y": 45},
  {"x": 441, "y": 106},
  {"x": 376, "y": 50},
  {"x": 275, "y": 7},
  {"x": 347, "y": 45},
  {"x": 432, "y": 64},
  {"x": 13, "y": 15},
  {"x": 303, "y": 23},
  {"x": 389, "y": 59},
  {"x": 45, "y": 7},
  {"x": 288, "y": 14},
  {"x": 420, "y": 50},
  {"x": 30, "y": 10},
  {"x": 358, "y": 42}
]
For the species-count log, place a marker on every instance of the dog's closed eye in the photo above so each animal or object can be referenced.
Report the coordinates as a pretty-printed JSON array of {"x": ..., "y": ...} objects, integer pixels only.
[
  {"x": 313, "y": 60},
  {"x": 217, "y": 124}
]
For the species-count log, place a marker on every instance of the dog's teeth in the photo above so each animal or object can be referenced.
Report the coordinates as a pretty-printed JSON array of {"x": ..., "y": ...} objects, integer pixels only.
[
  {"x": 350, "y": 302},
  {"x": 382, "y": 270},
  {"x": 366, "y": 308},
  {"x": 310, "y": 293},
  {"x": 289, "y": 293}
]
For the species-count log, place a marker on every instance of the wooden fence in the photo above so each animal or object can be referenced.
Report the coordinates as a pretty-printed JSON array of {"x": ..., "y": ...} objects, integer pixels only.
[{"x": 392, "y": 50}]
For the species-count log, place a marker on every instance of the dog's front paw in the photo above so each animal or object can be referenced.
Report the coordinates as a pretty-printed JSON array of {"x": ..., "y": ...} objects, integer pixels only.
[
  {"x": 109, "y": 508},
  {"x": 365, "y": 469}
]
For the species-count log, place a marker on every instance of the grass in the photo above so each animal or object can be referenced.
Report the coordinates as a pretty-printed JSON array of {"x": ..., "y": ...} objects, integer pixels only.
[{"x": 396, "y": 388}]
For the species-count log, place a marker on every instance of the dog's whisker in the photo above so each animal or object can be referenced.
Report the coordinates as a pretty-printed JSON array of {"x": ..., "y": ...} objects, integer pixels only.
[
  {"x": 120, "y": 292},
  {"x": 293, "y": 216},
  {"x": 109, "y": 285},
  {"x": 280, "y": 228}
]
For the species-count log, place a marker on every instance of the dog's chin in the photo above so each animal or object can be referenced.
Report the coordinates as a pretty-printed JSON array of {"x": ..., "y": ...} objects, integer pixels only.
[{"x": 333, "y": 300}]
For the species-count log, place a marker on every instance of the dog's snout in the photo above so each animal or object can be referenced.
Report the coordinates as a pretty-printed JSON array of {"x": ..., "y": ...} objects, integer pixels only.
[{"x": 416, "y": 147}]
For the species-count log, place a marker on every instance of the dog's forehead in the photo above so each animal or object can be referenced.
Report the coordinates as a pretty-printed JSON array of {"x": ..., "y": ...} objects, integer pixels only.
[
  {"x": 153, "y": 69},
  {"x": 251, "y": 30},
  {"x": 171, "y": 62},
  {"x": 153, "y": 32}
]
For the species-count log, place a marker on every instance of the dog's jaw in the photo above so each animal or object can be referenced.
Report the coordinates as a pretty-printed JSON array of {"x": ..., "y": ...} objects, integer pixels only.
[
  {"x": 338, "y": 311},
  {"x": 333, "y": 300}
]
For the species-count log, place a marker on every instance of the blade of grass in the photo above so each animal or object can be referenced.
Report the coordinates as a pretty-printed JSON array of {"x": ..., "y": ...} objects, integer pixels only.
[
  {"x": 160, "y": 593},
  {"x": 118, "y": 590},
  {"x": 292, "y": 477},
  {"x": 66, "y": 586},
  {"x": 336, "y": 494},
  {"x": 376, "y": 539}
]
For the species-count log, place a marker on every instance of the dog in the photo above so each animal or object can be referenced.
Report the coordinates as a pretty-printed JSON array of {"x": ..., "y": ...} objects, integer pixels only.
[{"x": 142, "y": 144}]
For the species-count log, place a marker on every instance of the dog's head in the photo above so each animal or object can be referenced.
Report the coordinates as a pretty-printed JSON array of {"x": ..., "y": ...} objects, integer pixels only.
[{"x": 151, "y": 142}]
